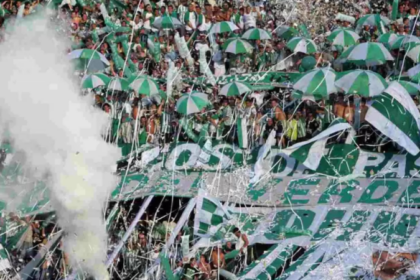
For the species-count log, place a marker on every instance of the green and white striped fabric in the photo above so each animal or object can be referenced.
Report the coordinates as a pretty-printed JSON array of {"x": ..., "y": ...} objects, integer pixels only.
[
  {"x": 166, "y": 22},
  {"x": 145, "y": 85},
  {"x": 414, "y": 73},
  {"x": 409, "y": 87},
  {"x": 210, "y": 215},
  {"x": 222, "y": 27},
  {"x": 388, "y": 38},
  {"x": 343, "y": 37},
  {"x": 366, "y": 54},
  {"x": 256, "y": 34},
  {"x": 235, "y": 89},
  {"x": 192, "y": 103},
  {"x": 317, "y": 82},
  {"x": 373, "y": 20},
  {"x": 95, "y": 80},
  {"x": 403, "y": 41},
  {"x": 120, "y": 84},
  {"x": 361, "y": 82},
  {"x": 90, "y": 60},
  {"x": 303, "y": 45},
  {"x": 286, "y": 32},
  {"x": 413, "y": 51},
  {"x": 241, "y": 124},
  {"x": 395, "y": 115},
  {"x": 237, "y": 46},
  {"x": 310, "y": 152},
  {"x": 4, "y": 259}
]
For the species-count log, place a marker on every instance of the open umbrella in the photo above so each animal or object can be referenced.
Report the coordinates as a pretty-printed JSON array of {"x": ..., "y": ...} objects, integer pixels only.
[
  {"x": 343, "y": 37},
  {"x": 366, "y": 54},
  {"x": 317, "y": 82},
  {"x": 373, "y": 20},
  {"x": 235, "y": 89},
  {"x": 192, "y": 103},
  {"x": 402, "y": 41},
  {"x": 414, "y": 73},
  {"x": 237, "y": 46},
  {"x": 388, "y": 38},
  {"x": 303, "y": 45},
  {"x": 145, "y": 85},
  {"x": 95, "y": 80},
  {"x": 361, "y": 82},
  {"x": 90, "y": 60},
  {"x": 409, "y": 87},
  {"x": 167, "y": 22},
  {"x": 286, "y": 32},
  {"x": 256, "y": 34},
  {"x": 222, "y": 27},
  {"x": 413, "y": 51},
  {"x": 117, "y": 83}
]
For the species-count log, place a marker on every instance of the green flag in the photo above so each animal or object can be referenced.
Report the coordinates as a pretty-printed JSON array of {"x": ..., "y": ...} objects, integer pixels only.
[{"x": 394, "y": 10}]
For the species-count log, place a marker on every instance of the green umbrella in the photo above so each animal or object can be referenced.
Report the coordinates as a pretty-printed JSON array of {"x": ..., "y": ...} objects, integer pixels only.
[
  {"x": 373, "y": 20},
  {"x": 409, "y": 87},
  {"x": 402, "y": 41},
  {"x": 366, "y": 54},
  {"x": 361, "y": 82},
  {"x": 235, "y": 89},
  {"x": 145, "y": 85},
  {"x": 192, "y": 103},
  {"x": 413, "y": 51},
  {"x": 303, "y": 45},
  {"x": 414, "y": 73},
  {"x": 343, "y": 37},
  {"x": 167, "y": 22},
  {"x": 286, "y": 32},
  {"x": 256, "y": 34},
  {"x": 388, "y": 38},
  {"x": 117, "y": 83},
  {"x": 95, "y": 80},
  {"x": 223, "y": 27},
  {"x": 91, "y": 60},
  {"x": 237, "y": 46},
  {"x": 317, "y": 82}
]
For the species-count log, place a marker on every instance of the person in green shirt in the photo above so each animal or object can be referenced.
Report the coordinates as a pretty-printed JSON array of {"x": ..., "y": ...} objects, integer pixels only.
[{"x": 171, "y": 12}]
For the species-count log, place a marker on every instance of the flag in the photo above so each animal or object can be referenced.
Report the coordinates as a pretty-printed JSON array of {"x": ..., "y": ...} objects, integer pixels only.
[
  {"x": 210, "y": 216},
  {"x": 242, "y": 132},
  {"x": 310, "y": 152},
  {"x": 395, "y": 115},
  {"x": 394, "y": 9}
]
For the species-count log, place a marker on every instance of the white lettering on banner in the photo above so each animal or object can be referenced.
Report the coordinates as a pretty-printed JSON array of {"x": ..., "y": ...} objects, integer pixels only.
[
  {"x": 395, "y": 165},
  {"x": 415, "y": 173},
  {"x": 224, "y": 161}
]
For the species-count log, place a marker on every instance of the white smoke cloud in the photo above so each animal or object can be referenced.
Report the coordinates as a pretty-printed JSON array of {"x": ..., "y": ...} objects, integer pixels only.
[{"x": 60, "y": 133}]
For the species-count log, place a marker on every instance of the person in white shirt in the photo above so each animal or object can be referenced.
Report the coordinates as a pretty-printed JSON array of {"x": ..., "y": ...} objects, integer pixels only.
[
  {"x": 249, "y": 19},
  {"x": 148, "y": 14},
  {"x": 137, "y": 23},
  {"x": 190, "y": 19}
]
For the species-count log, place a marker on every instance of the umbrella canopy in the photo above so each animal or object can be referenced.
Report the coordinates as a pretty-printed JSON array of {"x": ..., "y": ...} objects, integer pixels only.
[
  {"x": 413, "y": 52},
  {"x": 235, "y": 89},
  {"x": 167, "y": 22},
  {"x": 237, "y": 46},
  {"x": 145, "y": 85},
  {"x": 373, "y": 20},
  {"x": 222, "y": 27},
  {"x": 343, "y": 37},
  {"x": 286, "y": 32},
  {"x": 361, "y": 82},
  {"x": 414, "y": 73},
  {"x": 388, "y": 38},
  {"x": 402, "y": 41},
  {"x": 317, "y": 82},
  {"x": 256, "y": 34},
  {"x": 192, "y": 103},
  {"x": 117, "y": 83},
  {"x": 408, "y": 87},
  {"x": 95, "y": 80},
  {"x": 366, "y": 54},
  {"x": 303, "y": 45},
  {"x": 91, "y": 60}
]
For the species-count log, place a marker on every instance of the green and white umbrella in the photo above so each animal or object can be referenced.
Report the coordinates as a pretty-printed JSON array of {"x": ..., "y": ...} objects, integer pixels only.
[
  {"x": 388, "y": 38},
  {"x": 145, "y": 85},
  {"x": 235, "y": 89},
  {"x": 361, "y": 82},
  {"x": 366, "y": 54},
  {"x": 286, "y": 32},
  {"x": 192, "y": 103},
  {"x": 414, "y": 73},
  {"x": 167, "y": 22},
  {"x": 237, "y": 46},
  {"x": 409, "y": 87},
  {"x": 256, "y": 34},
  {"x": 222, "y": 27},
  {"x": 373, "y": 20},
  {"x": 120, "y": 84},
  {"x": 343, "y": 37},
  {"x": 95, "y": 80},
  {"x": 413, "y": 52},
  {"x": 402, "y": 41},
  {"x": 317, "y": 82},
  {"x": 90, "y": 60},
  {"x": 303, "y": 45}
]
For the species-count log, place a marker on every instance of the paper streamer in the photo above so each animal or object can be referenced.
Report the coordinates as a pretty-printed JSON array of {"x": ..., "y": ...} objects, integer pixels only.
[{"x": 204, "y": 67}]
